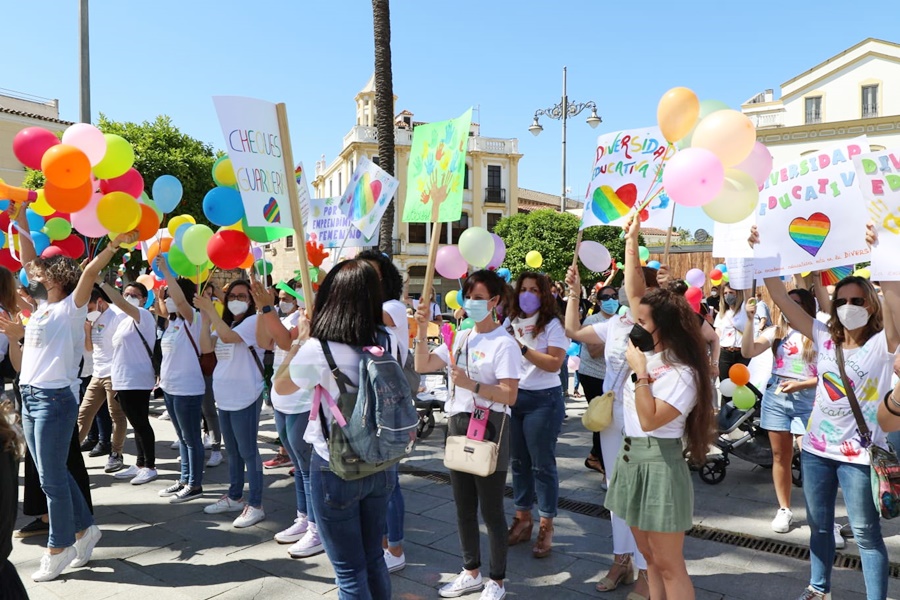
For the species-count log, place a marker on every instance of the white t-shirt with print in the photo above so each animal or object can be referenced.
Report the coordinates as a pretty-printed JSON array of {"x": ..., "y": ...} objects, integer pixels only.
[
  {"x": 54, "y": 343},
  {"x": 789, "y": 358},
  {"x": 614, "y": 333},
  {"x": 832, "y": 429},
  {"x": 87, "y": 367},
  {"x": 132, "y": 367},
  {"x": 487, "y": 358},
  {"x": 673, "y": 384},
  {"x": 300, "y": 401},
  {"x": 592, "y": 367},
  {"x": 180, "y": 373},
  {"x": 237, "y": 382},
  {"x": 553, "y": 336},
  {"x": 397, "y": 311},
  {"x": 729, "y": 325},
  {"x": 102, "y": 331}
]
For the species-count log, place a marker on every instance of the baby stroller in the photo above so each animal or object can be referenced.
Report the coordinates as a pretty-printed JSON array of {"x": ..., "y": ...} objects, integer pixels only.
[{"x": 753, "y": 446}]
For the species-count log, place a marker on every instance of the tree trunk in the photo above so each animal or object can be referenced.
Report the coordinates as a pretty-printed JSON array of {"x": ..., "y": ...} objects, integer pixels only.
[{"x": 384, "y": 110}]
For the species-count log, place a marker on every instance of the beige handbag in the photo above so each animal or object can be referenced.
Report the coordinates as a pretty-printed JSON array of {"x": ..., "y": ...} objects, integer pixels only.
[
  {"x": 473, "y": 456},
  {"x": 599, "y": 412}
]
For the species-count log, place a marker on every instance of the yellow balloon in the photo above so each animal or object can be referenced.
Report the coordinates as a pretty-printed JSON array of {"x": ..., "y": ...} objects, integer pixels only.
[
  {"x": 239, "y": 226},
  {"x": 805, "y": 273},
  {"x": 736, "y": 201},
  {"x": 204, "y": 275},
  {"x": 118, "y": 212},
  {"x": 176, "y": 222},
  {"x": 40, "y": 205},
  {"x": 728, "y": 134},
  {"x": 677, "y": 113},
  {"x": 865, "y": 273},
  {"x": 534, "y": 259},
  {"x": 452, "y": 300},
  {"x": 223, "y": 172}
]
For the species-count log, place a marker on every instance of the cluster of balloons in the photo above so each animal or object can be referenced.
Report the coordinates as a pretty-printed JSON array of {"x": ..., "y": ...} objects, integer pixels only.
[
  {"x": 477, "y": 247},
  {"x": 51, "y": 235},
  {"x": 736, "y": 387},
  {"x": 718, "y": 275},
  {"x": 719, "y": 166}
]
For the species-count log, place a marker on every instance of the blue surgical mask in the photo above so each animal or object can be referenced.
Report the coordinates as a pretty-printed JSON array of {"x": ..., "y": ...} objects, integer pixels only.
[
  {"x": 610, "y": 306},
  {"x": 476, "y": 309}
]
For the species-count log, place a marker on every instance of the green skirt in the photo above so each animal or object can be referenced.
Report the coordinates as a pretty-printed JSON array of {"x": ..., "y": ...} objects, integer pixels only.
[{"x": 651, "y": 485}]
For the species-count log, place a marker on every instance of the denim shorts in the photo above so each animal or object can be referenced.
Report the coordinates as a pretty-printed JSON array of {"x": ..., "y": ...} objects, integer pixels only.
[{"x": 786, "y": 412}]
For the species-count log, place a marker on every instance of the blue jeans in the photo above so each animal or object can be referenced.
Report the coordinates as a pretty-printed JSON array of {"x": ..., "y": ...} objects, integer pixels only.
[
  {"x": 821, "y": 477},
  {"x": 239, "y": 430},
  {"x": 290, "y": 429},
  {"x": 49, "y": 418},
  {"x": 535, "y": 422},
  {"x": 185, "y": 413},
  {"x": 350, "y": 517},
  {"x": 395, "y": 514}
]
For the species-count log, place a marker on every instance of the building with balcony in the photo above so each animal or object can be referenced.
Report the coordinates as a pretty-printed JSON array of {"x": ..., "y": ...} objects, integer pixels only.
[
  {"x": 853, "y": 93},
  {"x": 18, "y": 111},
  {"x": 491, "y": 189}
]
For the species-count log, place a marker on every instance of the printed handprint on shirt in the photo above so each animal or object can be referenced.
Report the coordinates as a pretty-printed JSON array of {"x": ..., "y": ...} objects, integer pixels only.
[
  {"x": 779, "y": 362},
  {"x": 831, "y": 433},
  {"x": 850, "y": 449},
  {"x": 817, "y": 442},
  {"x": 829, "y": 344},
  {"x": 869, "y": 390}
]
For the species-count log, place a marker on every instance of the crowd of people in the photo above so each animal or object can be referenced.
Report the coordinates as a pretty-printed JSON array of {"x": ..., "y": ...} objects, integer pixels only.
[{"x": 87, "y": 368}]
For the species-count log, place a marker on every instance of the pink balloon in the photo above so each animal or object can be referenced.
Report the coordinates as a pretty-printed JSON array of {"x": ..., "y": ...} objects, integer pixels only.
[
  {"x": 499, "y": 252},
  {"x": 695, "y": 278},
  {"x": 85, "y": 220},
  {"x": 758, "y": 165},
  {"x": 450, "y": 263},
  {"x": 257, "y": 252},
  {"x": 132, "y": 183},
  {"x": 52, "y": 251},
  {"x": 693, "y": 177},
  {"x": 88, "y": 139},
  {"x": 31, "y": 143}
]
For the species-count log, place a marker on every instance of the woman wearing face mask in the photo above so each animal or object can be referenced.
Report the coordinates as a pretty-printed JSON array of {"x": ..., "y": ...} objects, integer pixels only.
[
  {"x": 539, "y": 410},
  {"x": 729, "y": 327},
  {"x": 613, "y": 334},
  {"x": 485, "y": 366},
  {"x": 132, "y": 375},
  {"x": 789, "y": 395},
  {"x": 181, "y": 380},
  {"x": 212, "y": 433},
  {"x": 239, "y": 389}
]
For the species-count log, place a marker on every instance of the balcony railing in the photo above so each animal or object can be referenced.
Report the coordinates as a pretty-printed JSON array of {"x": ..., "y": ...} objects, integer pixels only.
[
  {"x": 495, "y": 195},
  {"x": 765, "y": 120},
  {"x": 494, "y": 145},
  {"x": 369, "y": 135},
  {"x": 869, "y": 112}
]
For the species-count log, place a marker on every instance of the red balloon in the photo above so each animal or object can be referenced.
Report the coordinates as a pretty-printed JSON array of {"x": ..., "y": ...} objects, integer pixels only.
[
  {"x": 6, "y": 260},
  {"x": 72, "y": 246},
  {"x": 715, "y": 274},
  {"x": 132, "y": 183},
  {"x": 31, "y": 143},
  {"x": 52, "y": 251},
  {"x": 228, "y": 248},
  {"x": 693, "y": 295},
  {"x": 4, "y": 221}
]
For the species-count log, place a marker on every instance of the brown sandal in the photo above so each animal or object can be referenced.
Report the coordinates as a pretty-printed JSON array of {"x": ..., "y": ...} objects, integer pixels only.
[
  {"x": 594, "y": 464},
  {"x": 544, "y": 543},
  {"x": 642, "y": 574},
  {"x": 626, "y": 576},
  {"x": 519, "y": 531}
]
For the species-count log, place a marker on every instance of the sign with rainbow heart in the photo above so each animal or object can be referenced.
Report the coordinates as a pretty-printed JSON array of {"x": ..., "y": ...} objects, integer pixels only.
[
  {"x": 810, "y": 215},
  {"x": 627, "y": 172},
  {"x": 331, "y": 225},
  {"x": 367, "y": 196},
  {"x": 302, "y": 194},
  {"x": 879, "y": 182},
  {"x": 255, "y": 147}
]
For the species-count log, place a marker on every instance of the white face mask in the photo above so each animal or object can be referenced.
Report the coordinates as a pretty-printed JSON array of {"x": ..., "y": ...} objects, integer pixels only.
[
  {"x": 852, "y": 317},
  {"x": 171, "y": 306},
  {"x": 136, "y": 302},
  {"x": 286, "y": 307},
  {"x": 238, "y": 307},
  {"x": 93, "y": 315}
]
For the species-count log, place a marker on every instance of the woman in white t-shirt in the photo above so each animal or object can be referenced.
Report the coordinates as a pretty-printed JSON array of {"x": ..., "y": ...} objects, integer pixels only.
[
  {"x": 239, "y": 390},
  {"x": 789, "y": 395},
  {"x": 730, "y": 329},
  {"x": 538, "y": 414},
  {"x": 485, "y": 366},
  {"x": 54, "y": 342}
]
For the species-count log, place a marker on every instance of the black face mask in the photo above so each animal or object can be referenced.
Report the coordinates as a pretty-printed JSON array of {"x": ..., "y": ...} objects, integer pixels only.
[
  {"x": 641, "y": 338},
  {"x": 37, "y": 290}
]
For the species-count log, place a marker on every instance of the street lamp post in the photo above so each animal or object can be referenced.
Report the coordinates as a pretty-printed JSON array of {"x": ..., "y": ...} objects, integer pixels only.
[
  {"x": 84, "y": 46},
  {"x": 563, "y": 111}
]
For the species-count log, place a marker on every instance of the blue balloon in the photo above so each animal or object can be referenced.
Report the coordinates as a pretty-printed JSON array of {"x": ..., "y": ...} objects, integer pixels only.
[
  {"x": 151, "y": 298},
  {"x": 40, "y": 241},
  {"x": 4, "y": 204},
  {"x": 2, "y": 238},
  {"x": 167, "y": 192},
  {"x": 574, "y": 349},
  {"x": 223, "y": 206},
  {"x": 654, "y": 264},
  {"x": 35, "y": 221},
  {"x": 721, "y": 267},
  {"x": 23, "y": 278},
  {"x": 505, "y": 274},
  {"x": 157, "y": 272},
  {"x": 460, "y": 298},
  {"x": 179, "y": 234}
]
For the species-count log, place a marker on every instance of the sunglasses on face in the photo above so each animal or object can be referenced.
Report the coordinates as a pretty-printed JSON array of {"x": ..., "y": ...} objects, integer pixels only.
[
  {"x": 838, "y": 302},
  {"x": 607, "y": 297}
]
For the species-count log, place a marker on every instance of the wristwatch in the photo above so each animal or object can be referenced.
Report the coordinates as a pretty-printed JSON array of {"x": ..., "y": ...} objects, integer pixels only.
[
  {"x": 267, "y": 309},
  {"x": 524, "y": 349}
]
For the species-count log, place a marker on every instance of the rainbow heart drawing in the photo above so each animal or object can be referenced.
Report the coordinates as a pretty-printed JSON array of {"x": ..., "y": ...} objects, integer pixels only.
[
  {"x": 833, "y": 385},
  {"x": 298, "y": 173},
  {"x": 810, "y": 233},
  {"x": 832, "y": 276},
  {"x": 608, "y": 205},
  {"x": 271, "y": 211},
  {"x": 363, "y": 199}
]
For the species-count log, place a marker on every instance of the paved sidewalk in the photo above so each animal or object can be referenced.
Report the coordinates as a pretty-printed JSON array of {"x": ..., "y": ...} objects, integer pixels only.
[{"x": 151, "y": 549}]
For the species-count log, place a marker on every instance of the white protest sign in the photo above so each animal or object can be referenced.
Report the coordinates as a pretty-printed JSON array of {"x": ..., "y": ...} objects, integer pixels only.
[
  {"x": 730, "y": 240},
  {"x": 254, "y": 145},
  {"x": 367, "y": 196},
  {"x": 331, "y": 226},
  {"x": 302, "y": 194},
  {"x": 879, "y": 182},
  {"x": 740, "y": 273},
  {"x": 811, "y": 215},
  {"x": 626, "y": 171}
]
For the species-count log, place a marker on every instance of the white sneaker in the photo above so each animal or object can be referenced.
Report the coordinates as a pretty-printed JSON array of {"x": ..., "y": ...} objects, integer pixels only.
[
  {"x": 145, "y": 475},
  {"x": 129, "y": 473},
  {"x": 810, "y": 594},
  {"x": 85, "y": 546},
  {"x": 308, "y": 545},
  {"x": 171, "y": 490},
  {"x": 839, "y": 541},
  {"x": 394, "y": 563},
  {"x": 215, "y": 459},
  {"x": 223, "y": 505},
  {"x": 782, "y": 521},
  {"x": 164, "y": 416},
  {"x": 463, "y": 584},
  {"x": 207, "y": 441},
  {"x": 54, "y": 564},
  {"x": 250, "y": 516},
  {"x": 493, "y": 591},
  {"x": 175, "y": 445},
  {"x": 295, "y": 532}
]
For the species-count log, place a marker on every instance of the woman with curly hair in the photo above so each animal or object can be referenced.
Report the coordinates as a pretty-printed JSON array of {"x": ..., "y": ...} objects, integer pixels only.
[{"x": 12, "y": 448}]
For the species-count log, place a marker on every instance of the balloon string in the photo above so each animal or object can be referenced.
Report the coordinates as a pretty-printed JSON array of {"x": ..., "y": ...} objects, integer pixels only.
[{"x": 12, "y": 243}]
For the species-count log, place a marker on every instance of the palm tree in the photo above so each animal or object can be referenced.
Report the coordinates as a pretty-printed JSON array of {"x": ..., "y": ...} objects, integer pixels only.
[{"x": 384, "y": 109}]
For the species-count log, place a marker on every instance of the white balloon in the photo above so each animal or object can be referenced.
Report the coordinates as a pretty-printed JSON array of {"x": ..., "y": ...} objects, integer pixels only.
[
  {"x": 727, "y": 387},
  {"x": 594, "y": 256}
]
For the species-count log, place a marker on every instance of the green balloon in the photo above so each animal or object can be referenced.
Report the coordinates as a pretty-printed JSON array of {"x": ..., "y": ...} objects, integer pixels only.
[
  {"x": 467, "y": 323},
  {"x": 265, "y": 234},
  {"x": 180, "y": 263},
  {"x": 57, "y": 228},
  {"x": 743, "y": 398},
  {"x": 194, "y": 243},
  {"x": 643, "y": 253},
  {"x": 263, "y": 267}
]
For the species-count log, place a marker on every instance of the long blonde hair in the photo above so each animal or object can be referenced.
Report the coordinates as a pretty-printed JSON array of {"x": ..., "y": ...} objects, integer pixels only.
[
  {"x": 11, "y": 439},
  {"x": 808, "y": 303}
]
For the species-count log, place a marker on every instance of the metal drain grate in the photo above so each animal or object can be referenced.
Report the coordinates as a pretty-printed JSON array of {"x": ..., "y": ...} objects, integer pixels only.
[{"x": 741, "y": 540}]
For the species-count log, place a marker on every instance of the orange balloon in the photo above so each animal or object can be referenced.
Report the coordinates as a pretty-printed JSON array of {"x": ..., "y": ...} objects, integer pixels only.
[
  {"x": 739, "y": 374},
  {"x": 68, "y": 200},
  {"x": 66, "y": 166},
  {"x": 149, "y": 223},
  {"x": 165, "y": 244},
  {"x": 677, "y": 113},
  {"x": 248, "y": 262},
  {"x": 152, "y": 252}
]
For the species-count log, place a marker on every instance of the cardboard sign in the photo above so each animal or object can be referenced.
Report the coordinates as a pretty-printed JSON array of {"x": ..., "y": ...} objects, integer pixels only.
[
  {"x": 303, "y": 194},
  {"x": 367, "y": 196},
  {"x": 330, "y": 225},
  {"x": 879, "y": 182},
  {"x": 730, "y": 240}
]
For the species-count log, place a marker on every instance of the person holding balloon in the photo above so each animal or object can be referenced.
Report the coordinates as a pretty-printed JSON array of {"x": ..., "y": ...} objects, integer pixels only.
[
  {"x": 730, "y": 328},
  {"x": 212, "y": 431}
]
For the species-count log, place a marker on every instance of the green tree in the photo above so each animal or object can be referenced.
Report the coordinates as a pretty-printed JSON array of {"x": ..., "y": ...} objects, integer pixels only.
[{"x": 553, "y": 234}]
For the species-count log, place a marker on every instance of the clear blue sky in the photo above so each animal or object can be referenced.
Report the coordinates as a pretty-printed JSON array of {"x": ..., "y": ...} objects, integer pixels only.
[{"x": 166, "y": 57}]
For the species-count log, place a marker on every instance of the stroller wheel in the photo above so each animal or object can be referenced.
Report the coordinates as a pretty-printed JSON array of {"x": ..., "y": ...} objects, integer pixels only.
[
  {"x": 426, "y": 424},
  {"x": 796, "y": 472},
  {"x": 712, "y": 472}
]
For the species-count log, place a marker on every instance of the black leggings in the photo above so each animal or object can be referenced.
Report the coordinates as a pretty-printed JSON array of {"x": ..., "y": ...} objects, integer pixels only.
[
  {"x": 593, "y": 387},
  {"x": 136, "y": 406}
]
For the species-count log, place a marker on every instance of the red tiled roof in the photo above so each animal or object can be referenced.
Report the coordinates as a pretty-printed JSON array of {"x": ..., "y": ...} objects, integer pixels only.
[{"x": 22, "y": 113}]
